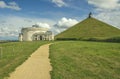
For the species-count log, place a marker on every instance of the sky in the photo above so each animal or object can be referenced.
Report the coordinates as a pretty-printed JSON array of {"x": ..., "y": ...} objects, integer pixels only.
[{"x": 57, "y": 15}]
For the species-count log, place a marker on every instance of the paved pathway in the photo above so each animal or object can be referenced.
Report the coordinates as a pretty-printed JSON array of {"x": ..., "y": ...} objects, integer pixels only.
[{"x": 36, "y": 67}]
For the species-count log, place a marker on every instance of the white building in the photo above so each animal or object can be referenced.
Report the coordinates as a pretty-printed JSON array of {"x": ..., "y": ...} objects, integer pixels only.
[{"x": 35, "y": 33}]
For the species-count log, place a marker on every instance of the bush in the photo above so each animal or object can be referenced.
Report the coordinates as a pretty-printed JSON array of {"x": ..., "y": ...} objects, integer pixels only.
[
  {"x": 113, "y": 39},
  {"x": 65, "y": 39},
  {"x": 96, "y": 39}
]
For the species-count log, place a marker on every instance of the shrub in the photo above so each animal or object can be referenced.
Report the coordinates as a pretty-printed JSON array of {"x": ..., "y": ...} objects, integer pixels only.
[
  {"x": 66, "y": 39},
  {"x": 96, "y": 39}
]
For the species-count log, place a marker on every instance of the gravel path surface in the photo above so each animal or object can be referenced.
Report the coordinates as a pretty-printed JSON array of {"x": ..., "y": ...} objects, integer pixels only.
[{"x": 36, "y": 67}]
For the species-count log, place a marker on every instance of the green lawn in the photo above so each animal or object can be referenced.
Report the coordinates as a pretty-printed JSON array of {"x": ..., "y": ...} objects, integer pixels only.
[
  {"x": 85, "y": 60},
  {"x": 14, "y": 54}
]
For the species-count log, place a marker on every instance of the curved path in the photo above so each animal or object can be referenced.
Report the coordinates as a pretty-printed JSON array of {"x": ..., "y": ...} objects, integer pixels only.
[{"x": 36, "y": 67}]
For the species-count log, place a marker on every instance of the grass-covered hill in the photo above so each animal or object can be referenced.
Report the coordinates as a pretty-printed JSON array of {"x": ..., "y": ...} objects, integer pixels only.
[{"x": 89, "y": 28}]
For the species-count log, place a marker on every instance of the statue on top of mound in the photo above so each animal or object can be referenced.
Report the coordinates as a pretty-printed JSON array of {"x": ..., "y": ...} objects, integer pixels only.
[{"x": 90, "y": 15}]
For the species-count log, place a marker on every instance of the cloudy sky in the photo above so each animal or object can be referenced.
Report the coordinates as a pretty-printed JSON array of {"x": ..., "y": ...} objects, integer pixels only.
[{"x": 58, "y": 15}]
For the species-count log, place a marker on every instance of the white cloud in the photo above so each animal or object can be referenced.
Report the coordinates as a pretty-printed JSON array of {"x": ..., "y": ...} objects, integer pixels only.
[
  {"x": 105, "y": 4},
  {"x": 110, "y": 17},
  {"x": 43, "y": 25},
  {"x": 63, "y": 24},
  {"x": 2, "y": 4},
  {"x": 59, "y": 3},
  {"x": 10, "y": 5},
  {"x": 8, "y": 32}
]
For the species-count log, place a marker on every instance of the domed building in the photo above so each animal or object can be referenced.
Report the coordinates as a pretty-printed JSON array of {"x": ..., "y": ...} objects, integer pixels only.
[{"x": 35, "y": 33}]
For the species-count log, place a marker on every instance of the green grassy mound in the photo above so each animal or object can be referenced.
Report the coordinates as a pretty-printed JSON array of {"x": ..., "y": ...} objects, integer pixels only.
[
  {"x": 89, "y": 28},
  {"x": 85, "y": 60}
]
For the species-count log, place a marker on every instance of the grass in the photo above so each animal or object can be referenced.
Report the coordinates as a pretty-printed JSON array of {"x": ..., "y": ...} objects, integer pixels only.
[
  {"x": 89, "y": 28},
  {"x": 14, "y": 54},
  {"x": 85, "y": 60}
]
